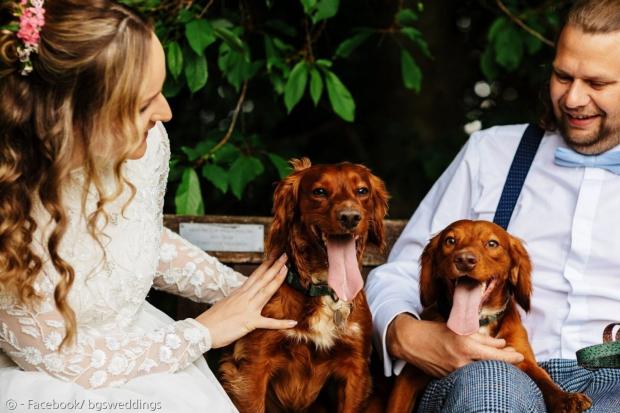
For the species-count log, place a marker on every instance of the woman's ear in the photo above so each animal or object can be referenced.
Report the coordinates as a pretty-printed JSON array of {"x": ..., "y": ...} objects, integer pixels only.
[
  {"x": 429, "y": 289},
  {"x": 520, "y": 273}
]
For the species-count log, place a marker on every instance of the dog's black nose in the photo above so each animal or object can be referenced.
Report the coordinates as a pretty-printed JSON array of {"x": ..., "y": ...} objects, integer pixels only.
[
  {"x": 349, "y": 218},
  {"x": 465, "y": 261}
]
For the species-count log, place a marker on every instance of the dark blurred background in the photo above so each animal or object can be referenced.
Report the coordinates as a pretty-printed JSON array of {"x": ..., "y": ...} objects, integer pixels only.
[{"x": 406, "y": 138}]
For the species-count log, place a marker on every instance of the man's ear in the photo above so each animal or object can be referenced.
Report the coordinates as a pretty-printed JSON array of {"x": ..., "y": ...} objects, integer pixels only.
[{"x": 520, "y": 273}]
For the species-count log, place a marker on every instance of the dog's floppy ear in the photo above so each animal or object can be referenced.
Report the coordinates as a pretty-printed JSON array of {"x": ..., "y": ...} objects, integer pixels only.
[
  {"x": 379, "y": 197},
  {"x": 520, "y": 273},
  {"x": 284, "y": 205},
  {"x": 429, "y": 288}
]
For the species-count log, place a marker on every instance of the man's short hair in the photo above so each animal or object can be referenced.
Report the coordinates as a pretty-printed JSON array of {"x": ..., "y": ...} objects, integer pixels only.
[{"x": 595, "y": 16}]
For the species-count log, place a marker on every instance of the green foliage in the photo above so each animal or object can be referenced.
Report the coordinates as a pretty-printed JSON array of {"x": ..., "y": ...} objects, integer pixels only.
[
  {"x": 509, "y": 44},
  {"x": 212, "y": 48},
  {"x": 188, "y": 199},
  {"x": 194, "y": 33}
]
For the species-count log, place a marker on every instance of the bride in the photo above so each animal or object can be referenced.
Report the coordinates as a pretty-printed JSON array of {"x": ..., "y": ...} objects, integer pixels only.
[{"x": 83, "y": 170}]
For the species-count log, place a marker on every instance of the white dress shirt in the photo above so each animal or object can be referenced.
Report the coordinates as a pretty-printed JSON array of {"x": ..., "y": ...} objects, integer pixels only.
[{"x": 568, "y": 218}]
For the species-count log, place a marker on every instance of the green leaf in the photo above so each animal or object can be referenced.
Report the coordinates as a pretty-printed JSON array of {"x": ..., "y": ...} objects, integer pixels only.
[
  {"x": 284, "y": 169},
  {"x": 340, "y": 97},
  {"x": 406, "y": 17},
  {"x": 175, "y": 59},
  {"x": 498, "y": 25},
  {"x": 243, "y": 171},
  {"x": 235, "y": 67},
  {"x": 230, "y": 38},
  {"x": 416, "y": 37},
  {"x": 227, "y": 154},
  {"x": 487, "y": 64},
  {"x": 281, "y": 45},
  {"x": 508, "y": 46},
  {"x": 316, "y": 85},
  {"x": 533, "y": 44},
  {"x": 188, "y": 198},
  {"x": 216, "y": 175},
  {"x": 199, "y": 34},
  {"x": 325, "y": 9},
  {"x": 172, "y": 87},
  {"x": 175, "y": 170},
  {"x": 196, "y": 72},
  {"x": 349, "y": 45},
  {"x": 412, "y": 75},
  {"x": 185, "y": 16},
  {"x": 296, "y": 84},
  {"x": 309, "y": 5},
  {"x": 222, "y": 23},
  {"x": 324, "y": 63},
  {"x": 198, "y": 151},
  {"x": 277, "y": 82}
]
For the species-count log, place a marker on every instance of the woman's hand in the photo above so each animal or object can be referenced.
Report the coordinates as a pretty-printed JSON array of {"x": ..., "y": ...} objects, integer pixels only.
[
  {"x": 236, "y": 315},
  {"x": 438, "y": 351}
]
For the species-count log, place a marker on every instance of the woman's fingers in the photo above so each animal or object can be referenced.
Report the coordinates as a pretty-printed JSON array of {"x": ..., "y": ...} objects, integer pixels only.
[
  {"x": 275, "y": 324},
  {"x": 257, "y": 274},
  {"x": 265, "y": 294},
  {"x": 267, "y": 276}
]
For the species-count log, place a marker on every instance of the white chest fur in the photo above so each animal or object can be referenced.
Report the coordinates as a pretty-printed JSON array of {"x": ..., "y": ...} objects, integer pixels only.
[{"x": 324, "y": 330}]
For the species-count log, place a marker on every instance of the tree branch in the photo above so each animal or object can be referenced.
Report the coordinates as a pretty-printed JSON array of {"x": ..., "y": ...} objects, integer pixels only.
[
  {"x": 233, "y": 122},
  {"x": 522, "y": 24}
]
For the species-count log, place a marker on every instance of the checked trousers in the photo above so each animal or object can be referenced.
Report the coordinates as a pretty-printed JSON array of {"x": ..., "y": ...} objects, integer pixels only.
[{"x": 498, "y": 387}]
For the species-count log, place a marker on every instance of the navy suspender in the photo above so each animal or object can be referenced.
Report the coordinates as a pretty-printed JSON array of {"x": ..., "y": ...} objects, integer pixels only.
[{"x": 516, "y": 175}]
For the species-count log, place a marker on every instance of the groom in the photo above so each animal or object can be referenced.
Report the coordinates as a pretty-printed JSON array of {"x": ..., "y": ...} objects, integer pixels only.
[{"x": 568, "y": 213}]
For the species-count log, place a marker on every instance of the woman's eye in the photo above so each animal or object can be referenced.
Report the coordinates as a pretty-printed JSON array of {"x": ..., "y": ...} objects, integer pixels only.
[
  {"x": 450, "y": 241},
  {"x": 362, "y": 190},
  {"x": 492, "y": 244},
  {"x": 319, "y": 192}
]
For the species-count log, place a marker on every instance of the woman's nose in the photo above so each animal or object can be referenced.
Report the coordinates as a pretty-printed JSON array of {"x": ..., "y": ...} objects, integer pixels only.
[{"x": 162, "y": 111}]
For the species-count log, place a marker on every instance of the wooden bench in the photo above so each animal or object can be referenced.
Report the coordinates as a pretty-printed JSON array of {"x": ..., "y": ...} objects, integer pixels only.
[{"x": 246, "y": 262}]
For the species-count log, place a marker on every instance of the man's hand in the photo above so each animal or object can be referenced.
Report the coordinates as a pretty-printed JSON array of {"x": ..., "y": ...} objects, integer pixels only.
[{"x": 438, "y": 351}]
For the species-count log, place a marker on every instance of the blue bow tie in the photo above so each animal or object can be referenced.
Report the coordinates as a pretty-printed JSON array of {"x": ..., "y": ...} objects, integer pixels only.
[{"x": 570, "y": 158}]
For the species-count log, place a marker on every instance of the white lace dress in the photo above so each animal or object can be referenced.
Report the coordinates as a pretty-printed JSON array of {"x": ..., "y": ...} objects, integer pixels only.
[{"x": 129, "y": 356}]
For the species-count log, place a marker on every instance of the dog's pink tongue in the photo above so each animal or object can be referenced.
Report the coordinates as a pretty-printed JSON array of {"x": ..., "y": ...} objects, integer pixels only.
[
  {"x": 464, "y": 318},
  {"x": 343, "y": 275}
]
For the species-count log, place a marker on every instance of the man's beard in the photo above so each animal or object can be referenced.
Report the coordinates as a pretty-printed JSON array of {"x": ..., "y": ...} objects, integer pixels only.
[{"x": 597, "y": 142}]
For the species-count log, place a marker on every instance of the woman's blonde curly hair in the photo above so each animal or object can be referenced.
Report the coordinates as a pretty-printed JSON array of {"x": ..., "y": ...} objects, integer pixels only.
[{"x": 81, "y": 102}]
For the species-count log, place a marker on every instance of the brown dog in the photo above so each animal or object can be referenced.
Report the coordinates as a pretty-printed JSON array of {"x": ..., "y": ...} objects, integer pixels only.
[
  {"x": 473, "y": 274},
  {"x": 323, "y": 217}
]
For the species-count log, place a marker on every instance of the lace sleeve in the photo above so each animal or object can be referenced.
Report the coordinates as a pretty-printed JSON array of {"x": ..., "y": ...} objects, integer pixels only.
[
  {"x": 186, "y": 270},
  {"x": 31, "y": 338}
]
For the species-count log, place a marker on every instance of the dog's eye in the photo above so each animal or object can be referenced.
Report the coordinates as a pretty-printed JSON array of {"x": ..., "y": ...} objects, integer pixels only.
[
  {"x": 492, "y": 243},
  {"x": 319, "y": 192},
  {"x": 362, "y": 190},
  {"x": 450, "y": 241}
]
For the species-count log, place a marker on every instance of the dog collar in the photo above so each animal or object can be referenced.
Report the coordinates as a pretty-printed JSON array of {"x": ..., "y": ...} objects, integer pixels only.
[
  {"x": 486, "y": 320},
  {"x": 313, "y": 290}
]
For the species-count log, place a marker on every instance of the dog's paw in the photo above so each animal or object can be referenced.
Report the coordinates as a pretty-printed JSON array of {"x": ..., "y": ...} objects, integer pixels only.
[{"x": 570, "y": 403}]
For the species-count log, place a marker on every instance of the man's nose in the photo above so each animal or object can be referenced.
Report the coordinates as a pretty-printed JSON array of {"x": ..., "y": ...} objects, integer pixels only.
[{"x": 577, "y": 95}]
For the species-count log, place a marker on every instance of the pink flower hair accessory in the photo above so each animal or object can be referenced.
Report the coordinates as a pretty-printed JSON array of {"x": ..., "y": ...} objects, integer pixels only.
[{"x": 31, "y": 16}]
